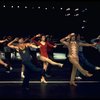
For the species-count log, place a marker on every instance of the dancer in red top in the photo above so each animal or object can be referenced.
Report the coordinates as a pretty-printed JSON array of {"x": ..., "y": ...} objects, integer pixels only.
[{"x": 43, "y": 53}]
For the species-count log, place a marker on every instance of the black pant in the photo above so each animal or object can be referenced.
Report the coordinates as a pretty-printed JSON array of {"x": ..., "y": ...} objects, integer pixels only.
[{"x": 30, "y": 68}]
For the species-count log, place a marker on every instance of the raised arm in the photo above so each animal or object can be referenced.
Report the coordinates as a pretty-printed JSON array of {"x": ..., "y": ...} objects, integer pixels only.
[
  {"x": 10, "y": 44},
  {"x": 65, "y": 40},
  {"x": 51, "y": 45},
  {"x": 26, "y": 40},
  {"x": 1, "y": 41},
  {"x": 32, "y": 45},
  {"x": 33, "y": 39}
]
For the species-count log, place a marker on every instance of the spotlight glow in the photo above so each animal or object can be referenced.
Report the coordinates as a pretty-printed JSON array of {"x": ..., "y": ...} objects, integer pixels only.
[
  {"x": 38, "y": 7},
  {"x": 46, "y": 8},
  {"x": 61, "y": 8},
  {"x": 4, "y": 6},
  {"x": 83, "y": 10},
  {"x": 76, "y": 9},
  {"x": 12, "y": 6},
  {"x": 17, "y": 6},
  {"x": 83, "y": 27},
  {"x": 76, "y": 15},
  {"x": 67, "y": 14},
  {"x": 84, "y": 21},
  {"x": 67, "y": 9},
  {"x": 25, "y": 6},
  {"x": 53, "y": 7}
]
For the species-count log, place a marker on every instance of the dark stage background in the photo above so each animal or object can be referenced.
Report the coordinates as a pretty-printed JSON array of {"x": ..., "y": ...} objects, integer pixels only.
[{"x": 27, "y": 18}]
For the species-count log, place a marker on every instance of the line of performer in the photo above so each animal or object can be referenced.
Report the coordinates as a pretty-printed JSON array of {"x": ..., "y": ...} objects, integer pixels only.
[{"x": 75, "y": 54}]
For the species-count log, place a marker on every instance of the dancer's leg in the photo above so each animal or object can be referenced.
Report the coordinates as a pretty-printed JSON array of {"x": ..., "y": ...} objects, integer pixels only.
[{"x": 50, "y": 61}]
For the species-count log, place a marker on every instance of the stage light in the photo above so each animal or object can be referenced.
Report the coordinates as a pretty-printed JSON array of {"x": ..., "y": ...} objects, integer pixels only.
[
  {"x": 83, "y": 27},
  {"x": 38, "y": 7},
  {"x": 25, "y": 6},
  {"x": 67, "y": 14},
  {"x": 12, "y": 6},
  {"x": 76, "y": 15},
  {"x": 4, "y": 6},
  {"x": 17, "y": 6},
  {"x": 46, "y": 8},
  {"x": 67, "y": 9},
  {"x": 53, "y": 7},
  {"x": 84, "y": 21},
  {"x": 84, "y": 10},
  {"x": 61, "y": 8},
  {"x": 76, "y": 9}
]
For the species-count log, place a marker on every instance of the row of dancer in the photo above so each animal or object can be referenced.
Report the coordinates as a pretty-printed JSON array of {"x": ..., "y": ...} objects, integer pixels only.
[
  {"x": 23, "y": 49},
  {"x": 69, "y": 41}
]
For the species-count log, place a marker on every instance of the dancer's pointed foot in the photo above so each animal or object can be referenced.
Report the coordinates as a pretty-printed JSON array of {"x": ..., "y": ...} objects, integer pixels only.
[
  {"x": 43, "y": 80},
  {"x": 22, "y": 75},
  {"x": 73, "y": 83},
  {"x": 61, "y": 65},
  {"x": 89, "y": 74}
]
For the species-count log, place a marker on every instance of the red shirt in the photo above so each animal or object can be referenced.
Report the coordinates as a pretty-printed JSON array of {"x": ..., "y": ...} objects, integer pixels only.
[{"x": 43, "y": 48}]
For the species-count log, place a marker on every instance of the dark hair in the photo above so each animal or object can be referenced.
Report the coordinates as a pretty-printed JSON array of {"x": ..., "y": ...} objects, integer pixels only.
[
  {"x": 43, "y": 35},
  {"x": 75, "y": 37}
]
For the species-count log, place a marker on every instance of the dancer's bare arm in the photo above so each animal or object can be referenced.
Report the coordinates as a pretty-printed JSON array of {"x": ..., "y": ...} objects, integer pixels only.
[
  {"x": 10, "y": 44},
  {"x": 32, "y": 45},
  {"x": 1, "y": 41},
  {"x": 65, "y": 40}
]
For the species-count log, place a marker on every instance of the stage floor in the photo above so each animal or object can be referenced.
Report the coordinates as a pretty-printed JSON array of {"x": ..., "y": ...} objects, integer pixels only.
[
  {"x": 57, "y": 87},
  {"x": 57, "y": 91}
]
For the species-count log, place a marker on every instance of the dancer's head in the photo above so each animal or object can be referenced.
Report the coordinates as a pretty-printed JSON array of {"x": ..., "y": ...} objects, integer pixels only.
[
  {"x": 21, "y": 40},
  {"x": 72, "y": 37},
  {"x": 43, "y": 38}
]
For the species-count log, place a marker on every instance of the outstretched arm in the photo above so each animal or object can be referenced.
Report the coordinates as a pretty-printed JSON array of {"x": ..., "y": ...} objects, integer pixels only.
[
  {"x": 87, "y": 44},
  {"x": 1, "y": 41},
  {"x": 10, "y": 44},
  {"x": 33, "y": 39},
  {"x": 94, "y": 40},
  {"x": 32, "y": 45}
]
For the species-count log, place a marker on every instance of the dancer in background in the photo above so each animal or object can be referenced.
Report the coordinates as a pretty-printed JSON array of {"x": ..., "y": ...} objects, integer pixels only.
[
  {"x": 7, "y": 51},
  {"x": 50, "y": 54},
  {"x": 23, "y": 67},
  {"x": 7, "y": 66},
  {"x": 97, "y": 41},
  {"x": 23, "y": 49},
  {"x": 83, "y": 61},
  {"x": 43, "y": 53},
  {"x": 73, "y": 46}
]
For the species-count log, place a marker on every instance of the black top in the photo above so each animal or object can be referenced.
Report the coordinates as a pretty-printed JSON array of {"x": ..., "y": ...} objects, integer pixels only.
[{"x": 25, "y": 54}]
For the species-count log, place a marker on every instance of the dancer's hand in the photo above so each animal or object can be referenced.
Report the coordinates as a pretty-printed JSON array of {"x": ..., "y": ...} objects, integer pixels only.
[
  {"x": 72, "y": 34},
  {"x": 55, "y": 46},
  {"x": 16, "y": 39},
  {"x": 94, "y": 44},
  {"x": 38, "y": 35},
  {"x": 68, "y": 36},
  {"x": 6, "y": 39},
  {"x": 98, "y": 37},
  {"x": 39, "y": 46}
]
